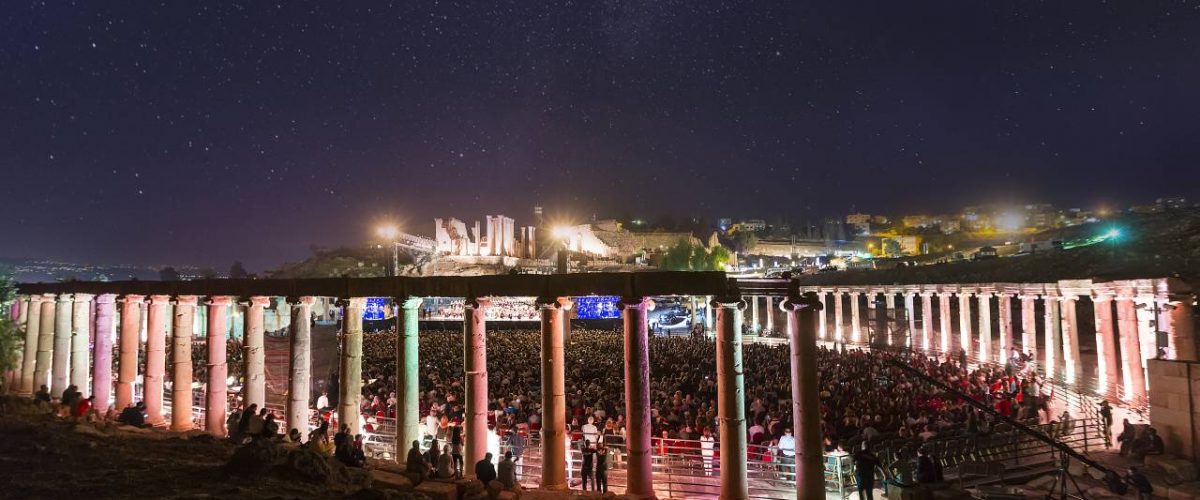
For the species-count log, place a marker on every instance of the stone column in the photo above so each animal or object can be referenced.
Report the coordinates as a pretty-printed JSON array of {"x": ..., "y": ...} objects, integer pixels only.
[
  {"x": 945, "y": 342},
  {"x": 731, "y": 399},
  {"x": 80, "y": 329},
  {"x": 889, "y": 303},
  {"x": 181, "y": 362},
  {"x": 157, "y": 315},
  {"x": 61, "y": 366},
  {"x": 254, "y": 390},
  {"x": 926, "y": 320},
  {"x": 33, "y": 324},
  {"x": 300, "y": 365},
  {"x": 806, "y": 408},
  {"x": 1070, "y": 336},
  {"x": 1106, "y": 346},
  {"x": 102, "y": 347},
  {"x": 770, "y": 312},
  {"x": 964, "y": 322},
  {"x": 1029, "y": 326},
  {"x": 216, "y": 392},
  {"x": 1133, "y": 372},
  {"x": 45, "y": 344},
  {"x": 910, "y": 310},
  {"x": 985, "y": 327},
  {"x": 754, "y": 322},
  {"x": 838, "y": 316},
  {"x": 128, "y": 340},
  {"x": 350, "y": 377},
  {"x": 554, "y": 393},
  {"x": 855, "y": 317},
  {"x": 709, "y": 315},
  {"x": 475, "y": 367},
  {"x": 823, "y": 317},
  {"x": 1181, "y": 333},
  {"x": 1004, "y": 309},
  {"x": 408, "y": 375},
  {"x": 637, "y": 397},
  {"x": 1053, "y": 334}
]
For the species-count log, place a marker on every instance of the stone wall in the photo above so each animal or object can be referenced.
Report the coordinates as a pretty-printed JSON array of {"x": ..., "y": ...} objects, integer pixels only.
[{"x": 1175, "y": 405}]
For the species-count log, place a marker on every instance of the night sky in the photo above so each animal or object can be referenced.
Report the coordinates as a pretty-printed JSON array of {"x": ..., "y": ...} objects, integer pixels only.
[{"x": 192, "y": 133}]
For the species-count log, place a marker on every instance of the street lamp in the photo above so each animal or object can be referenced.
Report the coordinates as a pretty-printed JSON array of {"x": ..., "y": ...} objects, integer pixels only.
[{"x": 390, "y": 233}]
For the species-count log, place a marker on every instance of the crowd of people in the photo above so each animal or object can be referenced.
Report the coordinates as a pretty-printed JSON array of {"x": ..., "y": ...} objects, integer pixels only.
[{"x": 864, "y": 394}]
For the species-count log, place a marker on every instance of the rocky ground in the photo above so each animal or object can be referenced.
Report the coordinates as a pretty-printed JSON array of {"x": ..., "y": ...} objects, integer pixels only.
[{"x": 42, "y": 456}]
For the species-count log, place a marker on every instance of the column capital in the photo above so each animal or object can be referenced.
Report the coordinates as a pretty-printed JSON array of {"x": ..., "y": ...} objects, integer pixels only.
[
  {"x": 83, "y": 297},
  {"x": 260, "y": 300},
  {"x": 805, "y": 301},
  {"x": 132, "y": 299},
  {"x": 186, "y": 300},
  {"x": 160, "y": 299},
  {"x": 636, "y": 302},
  {"x": 219, "y": 300},
  {"x": 728, "y": 302},
  {"x": 563, "y": 303},
  {"x": 65, "y": 297},
  {"x": 478, "y": 302},
  {"x": 408, "y": 302},
  {"x": 48, "y": 297}
]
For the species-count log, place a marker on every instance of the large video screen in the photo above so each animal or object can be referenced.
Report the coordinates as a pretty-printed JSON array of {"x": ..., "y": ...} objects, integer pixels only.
[
  {"x": 597, "y": 307},
  {"x": 376, "y": 309}
]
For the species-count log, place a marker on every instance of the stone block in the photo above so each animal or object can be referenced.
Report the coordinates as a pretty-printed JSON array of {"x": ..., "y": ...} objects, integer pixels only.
[
  {"x": 392, "y": 480},
  {"x": 438, "y": 490},
  {"x": 1175, "y": 470},
  {"x": 1186, "y": 491},
  {"x": 1043, "y": 483}
]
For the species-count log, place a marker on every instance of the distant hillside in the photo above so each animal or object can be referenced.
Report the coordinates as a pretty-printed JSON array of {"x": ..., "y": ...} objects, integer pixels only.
[
  {"x": 338, "y": 263},
  {"x": 1150, "y": 246}
]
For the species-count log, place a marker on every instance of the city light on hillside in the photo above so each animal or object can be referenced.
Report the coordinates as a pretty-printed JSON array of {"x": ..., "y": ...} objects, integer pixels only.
[{"x": 387, "y": 232}]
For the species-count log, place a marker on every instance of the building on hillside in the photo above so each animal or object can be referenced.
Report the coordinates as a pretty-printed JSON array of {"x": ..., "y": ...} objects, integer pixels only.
[
  {"x": 607, "y": 239},
  {"x": 499, "y": 238},
  {"x": 861, "y": 223},
  {"x": 752, "y": 225},
  {"x": 799, "y": 248}
]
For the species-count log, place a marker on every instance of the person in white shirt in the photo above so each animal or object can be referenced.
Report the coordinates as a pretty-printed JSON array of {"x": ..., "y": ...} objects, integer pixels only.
[
  {"x": 706, "y": 451},
  {"x": 323, "y": 401},
  {"x": 787, "y": 451},
  {"x": 431, "y": 424},
  {"x": 590, "y": 432}
]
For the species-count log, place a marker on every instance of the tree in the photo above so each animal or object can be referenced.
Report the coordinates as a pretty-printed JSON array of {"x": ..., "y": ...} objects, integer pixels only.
[
  {"x": 11, "y": 341},
  {"x": 685, "y": 256},
  {"x": 237, "y": 271},
  {"x": 168, "y": 274}
]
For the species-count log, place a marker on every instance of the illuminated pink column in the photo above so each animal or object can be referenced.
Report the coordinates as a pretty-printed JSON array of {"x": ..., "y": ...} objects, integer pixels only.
[
  {"x": 855, "y": 317},
  {"x": 61, "y": 374},
  {"x": 127, "y": 362},
  {"x": 985, "y": 327},
  {"x": 637, "y": 397},
  {"x": 1133, "y": 372},
  {"x": 299, "y": 365},
  {"x": 1029, "y": 344},
  {"x": 45, "y": 348},
  {"x": 944, "y": 336},
  {"x": 80, "y": 329},
  {"x": 1181, "y": 334},
  {"x": 802, "y": 324},
  {"x": 33, "y": 324},
  {"x": 1004, "y": 309},
  {"x": 216, "y": 393},
  {"x": 926, "y": 320},
  {"x": 350, "y": 401},
  {"x": 1070, "y": 335},
  {"x": 254, "y": 391},
  {"x": 106, "y": 312},
  {"x": 181, "y": 362},
  {"x": 1106, "y": 346},
  {"x": 731, "y": 399},
  {"x": 964, "y": 322},
  {"x": 1053, "y": 334},
  {"x": 157, "y": 315},
  {"x": 475, "y": 366}
]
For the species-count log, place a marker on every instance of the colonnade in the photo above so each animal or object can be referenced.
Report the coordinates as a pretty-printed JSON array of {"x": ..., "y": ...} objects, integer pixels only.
[
  {"x": 1129, "y": 317},
  {"x": 46, "y": 354}
]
